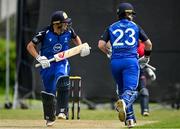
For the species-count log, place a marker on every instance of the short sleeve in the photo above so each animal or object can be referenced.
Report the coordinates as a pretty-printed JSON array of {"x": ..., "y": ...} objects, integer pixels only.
[
  {"x": 38, "y": 37},
  {"x": 73, "y": 34},
  {"x": 105, "y": 36},
  {"x": 142, "y": 35}
]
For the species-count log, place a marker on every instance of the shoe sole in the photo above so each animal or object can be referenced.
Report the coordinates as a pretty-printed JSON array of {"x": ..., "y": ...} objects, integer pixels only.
[
  {"x": 121, "y": 109},
  {"x": 61, "y": 118},
  {"x": 145, "y": 114},
  {"x": 50, "y": 124},
  {"x": 131, "y": 126}
]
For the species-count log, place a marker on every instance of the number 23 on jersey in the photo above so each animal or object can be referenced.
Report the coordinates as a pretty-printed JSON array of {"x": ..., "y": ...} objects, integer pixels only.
[{"x": 131, "y": 37}]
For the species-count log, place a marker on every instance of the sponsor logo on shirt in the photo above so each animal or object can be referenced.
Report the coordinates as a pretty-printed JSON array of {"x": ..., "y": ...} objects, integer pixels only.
[{"x": 66, "y": 40}]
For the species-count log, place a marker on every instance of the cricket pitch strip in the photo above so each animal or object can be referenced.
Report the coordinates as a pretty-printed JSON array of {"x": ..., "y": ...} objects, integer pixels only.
[{"x": 65, "y": 124}]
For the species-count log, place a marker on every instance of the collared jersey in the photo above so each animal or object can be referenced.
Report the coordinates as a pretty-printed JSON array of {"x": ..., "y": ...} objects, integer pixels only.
[
  {"x": 124, "y": 36},
  {"x": 52, "y": 43}
]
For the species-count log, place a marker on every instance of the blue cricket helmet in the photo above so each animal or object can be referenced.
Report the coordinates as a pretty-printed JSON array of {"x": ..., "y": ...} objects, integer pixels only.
[
  {"x": 125, "y": 8},
  {"x": 60, "y": 17}
]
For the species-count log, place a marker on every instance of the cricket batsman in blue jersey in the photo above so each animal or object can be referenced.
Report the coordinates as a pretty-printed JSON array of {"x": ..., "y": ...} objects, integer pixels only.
[
  {"x": 55, "y": 38},
  {"x": 124, "y": 36}
]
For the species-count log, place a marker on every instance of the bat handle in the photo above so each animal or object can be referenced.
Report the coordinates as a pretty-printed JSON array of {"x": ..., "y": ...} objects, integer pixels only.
[
  {"x": 50, "y": 60},
  {"x": 37, "y": 65},
  {"x": 151, "y": 67}
]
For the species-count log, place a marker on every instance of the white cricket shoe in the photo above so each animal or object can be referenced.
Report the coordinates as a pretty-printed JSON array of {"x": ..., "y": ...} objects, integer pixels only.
[
  {"x": 121, "y": 108},
  {"x": 49, "y": 123},
  {"x": 130, "y": 123},
  {"x": 62, "y": 116},
  {"x": 145, "y": 113}
]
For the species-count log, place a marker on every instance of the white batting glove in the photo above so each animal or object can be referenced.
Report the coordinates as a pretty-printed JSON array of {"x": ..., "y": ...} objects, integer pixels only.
[
  {"x": 43, "y": 61},
  {"x": 143, "y": 61},
  {"x": 151, "y": 74},
  {"x": 109, "y": 52},
  {"x": 85, "y": 51}
]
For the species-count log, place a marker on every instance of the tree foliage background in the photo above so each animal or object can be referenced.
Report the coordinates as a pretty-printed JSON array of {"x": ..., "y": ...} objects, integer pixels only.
[{"x": 12, "y": 54}]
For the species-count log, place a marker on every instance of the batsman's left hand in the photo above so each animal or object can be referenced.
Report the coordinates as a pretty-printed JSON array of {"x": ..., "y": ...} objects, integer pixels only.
[
  {"x": 85, "y": 51},
  {"x": 143, "y": 61}
]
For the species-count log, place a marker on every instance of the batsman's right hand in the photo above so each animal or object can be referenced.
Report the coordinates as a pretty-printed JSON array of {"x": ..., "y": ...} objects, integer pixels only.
[
  {"x": 43, "y": 61},
  {"x": 143, "y": 61}
]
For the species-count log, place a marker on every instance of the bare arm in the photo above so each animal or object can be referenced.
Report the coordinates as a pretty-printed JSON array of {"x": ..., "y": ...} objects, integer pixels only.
[
  {"x": 31, "y": 47},
  {"x": 148, "y": 45},
  {"x": 77, "y": 40},
  {"x": 102, "y": 46}
]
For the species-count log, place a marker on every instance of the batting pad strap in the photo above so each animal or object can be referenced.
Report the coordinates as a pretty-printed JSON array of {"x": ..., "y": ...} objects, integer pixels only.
[{"x": 129, "y": 97}]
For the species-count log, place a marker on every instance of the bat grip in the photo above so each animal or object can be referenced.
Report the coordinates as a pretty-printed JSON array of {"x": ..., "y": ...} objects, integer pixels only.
[{"x": 50, "y": 60}]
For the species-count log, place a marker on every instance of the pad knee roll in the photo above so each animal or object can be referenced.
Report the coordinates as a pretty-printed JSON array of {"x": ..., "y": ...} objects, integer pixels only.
[{"x": 144, "y": 92}]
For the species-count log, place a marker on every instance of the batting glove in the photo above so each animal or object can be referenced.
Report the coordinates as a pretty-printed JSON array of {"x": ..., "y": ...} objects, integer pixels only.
[
  {"x": 85, "y": 51},
  {"x": 143, "y": 61},
  {"x": 151, "y": 74},
  {"x": 109, "y": 54},
  {"x": 43, "y": 61}
]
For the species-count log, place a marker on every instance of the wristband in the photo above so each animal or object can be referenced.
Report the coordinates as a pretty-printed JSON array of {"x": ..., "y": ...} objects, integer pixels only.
[{"x": 147, "y": 52}]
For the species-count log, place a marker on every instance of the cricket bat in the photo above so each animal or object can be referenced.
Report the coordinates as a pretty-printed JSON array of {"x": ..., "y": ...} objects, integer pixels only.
[{"x": 67, "y": 54}]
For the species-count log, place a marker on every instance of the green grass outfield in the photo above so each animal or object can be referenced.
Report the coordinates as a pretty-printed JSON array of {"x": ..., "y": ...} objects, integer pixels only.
[{"x": 160, "y": 116}]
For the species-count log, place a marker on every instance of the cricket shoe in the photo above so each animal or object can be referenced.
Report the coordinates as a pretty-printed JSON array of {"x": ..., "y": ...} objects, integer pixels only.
[
  {"x": 121, "y": 108},
  {"x": 130, "y": 123},
  {"x": 62, "y": 116},
  {"x": 145, "y": 113},
  {"x": 49, "y": 123}
]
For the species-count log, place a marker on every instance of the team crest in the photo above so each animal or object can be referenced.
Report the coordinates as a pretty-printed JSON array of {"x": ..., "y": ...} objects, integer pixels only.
[{"x": 57, "y": 47}]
